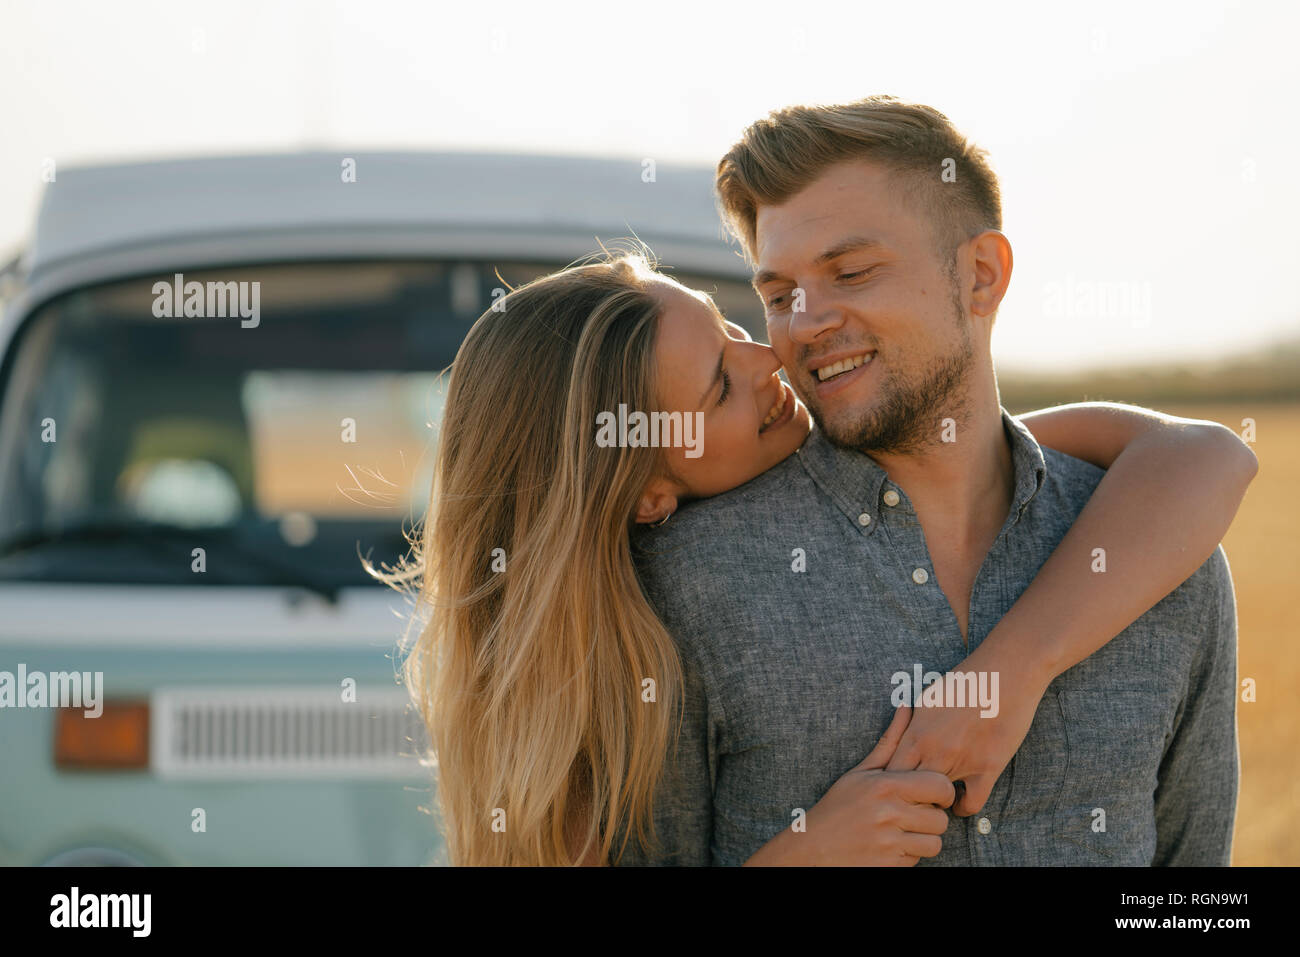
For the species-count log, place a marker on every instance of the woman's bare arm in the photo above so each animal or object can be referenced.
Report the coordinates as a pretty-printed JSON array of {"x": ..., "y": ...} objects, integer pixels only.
[{"x": 1172, "y": 488}]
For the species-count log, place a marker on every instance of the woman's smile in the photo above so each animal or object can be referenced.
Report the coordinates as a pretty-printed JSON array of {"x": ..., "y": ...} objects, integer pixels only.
[{"x": 782, "y": 410}]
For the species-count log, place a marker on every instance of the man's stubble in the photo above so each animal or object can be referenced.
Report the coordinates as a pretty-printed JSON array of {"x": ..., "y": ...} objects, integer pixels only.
[{"x": 907, "y": 415}]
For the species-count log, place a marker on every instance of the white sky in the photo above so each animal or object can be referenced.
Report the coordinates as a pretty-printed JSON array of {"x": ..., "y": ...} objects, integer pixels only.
[{"x": 1146, "y": 155}]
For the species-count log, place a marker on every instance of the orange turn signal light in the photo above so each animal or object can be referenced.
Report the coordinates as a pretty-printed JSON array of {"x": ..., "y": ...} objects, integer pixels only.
[{"x": 117, "y": 739}]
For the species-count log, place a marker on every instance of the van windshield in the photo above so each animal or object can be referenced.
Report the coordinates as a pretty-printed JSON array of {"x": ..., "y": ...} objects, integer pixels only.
[{"x": 286, "y": 430}]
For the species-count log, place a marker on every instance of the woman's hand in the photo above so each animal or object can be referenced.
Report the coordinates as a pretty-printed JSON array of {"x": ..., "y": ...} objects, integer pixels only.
[
  {"x": 965, "y": 746},
  {"x": 870, "y": 817}
]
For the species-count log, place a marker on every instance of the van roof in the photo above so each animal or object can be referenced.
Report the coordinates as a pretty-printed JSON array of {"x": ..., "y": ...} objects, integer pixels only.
[{"x": 92, "y": 209}]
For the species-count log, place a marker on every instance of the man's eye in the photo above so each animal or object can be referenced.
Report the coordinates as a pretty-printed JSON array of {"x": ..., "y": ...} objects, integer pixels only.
[
  {"x": 854, "y": 275},
  {"x": 775, "y": 302},
  {"x": 726, "y": 386}
]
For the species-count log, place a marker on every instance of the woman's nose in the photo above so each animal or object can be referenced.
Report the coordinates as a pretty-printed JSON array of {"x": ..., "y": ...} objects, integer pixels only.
[{"x": 765, "y": 362}]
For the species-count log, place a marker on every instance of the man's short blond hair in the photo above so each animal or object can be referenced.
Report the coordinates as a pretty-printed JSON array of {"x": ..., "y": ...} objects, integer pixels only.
[{"x": 947, "y": 175}]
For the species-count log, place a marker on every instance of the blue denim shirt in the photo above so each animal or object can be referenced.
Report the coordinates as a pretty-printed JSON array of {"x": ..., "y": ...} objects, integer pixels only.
[{"x": 1132, "y": 755}]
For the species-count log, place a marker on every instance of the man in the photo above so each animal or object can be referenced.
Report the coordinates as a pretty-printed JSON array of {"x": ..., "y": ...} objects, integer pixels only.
[{"x": 905, "y": 527}]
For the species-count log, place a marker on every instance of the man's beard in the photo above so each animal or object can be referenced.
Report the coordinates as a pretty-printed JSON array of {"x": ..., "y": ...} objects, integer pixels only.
[{"x": 908, "y": 415}]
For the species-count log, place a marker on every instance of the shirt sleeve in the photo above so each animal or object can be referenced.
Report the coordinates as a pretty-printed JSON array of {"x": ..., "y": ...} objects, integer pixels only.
[
  {"x": 683, "y": 801},
  {"x": 1196, "y": 796}
]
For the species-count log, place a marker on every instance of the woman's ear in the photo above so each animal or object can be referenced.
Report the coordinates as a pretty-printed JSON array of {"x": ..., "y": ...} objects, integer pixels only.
[{"x": 658, "y": 501}]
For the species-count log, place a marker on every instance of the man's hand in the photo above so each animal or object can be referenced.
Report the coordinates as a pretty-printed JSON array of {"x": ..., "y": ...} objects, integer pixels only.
[
  {"x": 965, "y": 747},
  {"x": 870, "y": 816}
]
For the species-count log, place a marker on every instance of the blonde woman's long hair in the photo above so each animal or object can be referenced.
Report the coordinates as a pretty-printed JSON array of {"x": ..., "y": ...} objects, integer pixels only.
[{"x": 535, "y": 639}]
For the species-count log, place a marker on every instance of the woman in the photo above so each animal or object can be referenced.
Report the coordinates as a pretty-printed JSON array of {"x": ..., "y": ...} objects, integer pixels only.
[{"x": 535, "y": 636}]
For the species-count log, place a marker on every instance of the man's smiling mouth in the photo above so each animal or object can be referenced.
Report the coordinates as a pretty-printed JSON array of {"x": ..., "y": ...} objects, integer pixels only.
[{"x": 842, "y": 366}]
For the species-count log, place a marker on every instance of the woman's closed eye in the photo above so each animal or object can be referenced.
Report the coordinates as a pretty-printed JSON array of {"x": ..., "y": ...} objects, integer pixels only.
[{"x": 726, "y": 386}]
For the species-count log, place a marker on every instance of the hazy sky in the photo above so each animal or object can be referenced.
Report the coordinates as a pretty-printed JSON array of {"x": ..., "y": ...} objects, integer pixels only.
[{"x": 1146, "y": 155}]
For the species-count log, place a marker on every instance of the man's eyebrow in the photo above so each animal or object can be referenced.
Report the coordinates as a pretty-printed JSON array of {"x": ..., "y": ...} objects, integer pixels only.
[{"x": 852, "y": 244}]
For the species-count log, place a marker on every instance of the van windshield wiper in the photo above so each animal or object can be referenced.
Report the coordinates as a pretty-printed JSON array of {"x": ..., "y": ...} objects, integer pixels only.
[{"x": 154, "y": 533}]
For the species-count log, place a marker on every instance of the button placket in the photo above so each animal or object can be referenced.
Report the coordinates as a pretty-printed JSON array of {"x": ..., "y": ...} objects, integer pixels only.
[
  {"x": 907, "y": 541},
  {"x": 920, "y": 573},
  {"x": 984, "y": 846}
]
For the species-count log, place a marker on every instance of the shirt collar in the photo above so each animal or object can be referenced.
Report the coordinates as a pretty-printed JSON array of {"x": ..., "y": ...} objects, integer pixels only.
[{"x": 857, "y": 485}]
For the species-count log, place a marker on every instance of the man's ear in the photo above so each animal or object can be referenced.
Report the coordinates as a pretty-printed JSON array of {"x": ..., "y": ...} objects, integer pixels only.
[
  {"x": 991, "y": 258},
  {"x": 658, "y": 501}
]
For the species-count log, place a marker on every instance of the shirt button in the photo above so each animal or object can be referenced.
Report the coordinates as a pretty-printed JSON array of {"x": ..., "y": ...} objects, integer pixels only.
[
  {"x": 920, "y": 576},
  {"x": 984, "y": 825},
  {"x": 891, "y": 498},
  {"x": 864, "y": 519}
]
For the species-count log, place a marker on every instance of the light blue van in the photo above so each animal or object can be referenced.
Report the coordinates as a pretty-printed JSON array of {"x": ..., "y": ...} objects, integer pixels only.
[{"x": 219, "y": 386}]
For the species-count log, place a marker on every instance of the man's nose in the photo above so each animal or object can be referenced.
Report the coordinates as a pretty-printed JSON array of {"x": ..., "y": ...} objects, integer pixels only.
[{"x": 811, "y": 316}]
